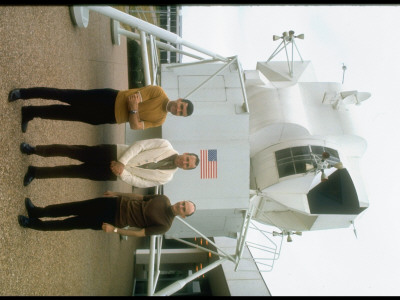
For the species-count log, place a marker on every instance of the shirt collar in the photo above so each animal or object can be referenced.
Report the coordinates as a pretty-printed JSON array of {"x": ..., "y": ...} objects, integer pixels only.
[{"x": 166, "y": 104}]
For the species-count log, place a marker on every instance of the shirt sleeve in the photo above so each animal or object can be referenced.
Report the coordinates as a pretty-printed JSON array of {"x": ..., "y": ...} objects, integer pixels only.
[
  {"x": 137, "y": 181},
  {"x": 140, "y": 146},
  {"x": 150, "y": 92}
]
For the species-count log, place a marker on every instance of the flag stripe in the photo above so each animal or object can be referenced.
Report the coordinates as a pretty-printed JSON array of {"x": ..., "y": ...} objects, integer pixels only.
[{"x": 203, "y": 161}]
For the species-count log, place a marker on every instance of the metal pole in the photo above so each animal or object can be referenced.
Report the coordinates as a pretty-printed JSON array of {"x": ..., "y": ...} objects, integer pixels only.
[
  {"x": 344, "y": 69},
  {"x": 193, "y": 63},
  {"x": 242, "y": 238},
  {"x": 263, "y": 233},
  {"x": 156, "y": 59},
  {"x": 152, "y": 58},
  {"x": 214, "y": 75},
  {"x": 159, "y": 244},
  {"x": 262, "y": 247},
  {"x": 150, "y": 28},
  {"x": 245, "y": 224},
  {"x": 298, "y": 51},
  {"x": 197, "y": 246},
  {"x": 287, "y": 57},
  {"x": 246, "y": 103},
  {"x": 211, "y": 242},
  {"x": 161, "y": 12},
  {"x": 273, "y": 54},
  {"x": 176, "y": 286},
  {"x": 151, "y": 266},
  {"x": 145, "y": 58},
  {"x": 159, "y": 44},
  {"x": 292, "y": 40}
]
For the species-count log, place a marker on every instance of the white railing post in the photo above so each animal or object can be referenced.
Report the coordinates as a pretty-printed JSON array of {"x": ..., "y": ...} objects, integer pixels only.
[
  {"x": 243, "y": 234},
  {"x": 145, "y": 58},
  {"x": 176, "y": 286},
  {"x": 206, "y": 238},
  {"x": 159, "y": 246},
  {"x": 159, "y": 44},
  {"x": 246, "y": 102},
  {"x": 198, "y": 247},
  {"x": 204, "y": 61},
  {"x": 152, "y": 58},
  {"x": 150, "y": 277}
]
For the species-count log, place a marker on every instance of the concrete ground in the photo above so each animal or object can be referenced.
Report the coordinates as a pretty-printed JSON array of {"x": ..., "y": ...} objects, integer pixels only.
[{"x": 40, "y": 46}]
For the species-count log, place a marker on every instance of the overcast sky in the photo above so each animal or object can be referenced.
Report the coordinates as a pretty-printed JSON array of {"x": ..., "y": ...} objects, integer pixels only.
[{"x": 366, "y": 40}]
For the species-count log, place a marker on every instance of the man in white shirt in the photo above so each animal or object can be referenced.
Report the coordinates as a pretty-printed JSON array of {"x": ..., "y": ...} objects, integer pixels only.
[{"x": 144, "y": 164}]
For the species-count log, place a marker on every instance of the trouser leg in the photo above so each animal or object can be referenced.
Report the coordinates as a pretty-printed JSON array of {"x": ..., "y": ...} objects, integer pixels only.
[
  {"x": 64, "y": 225},
  {"x": 86, "y": 208},
  {"x": 98, "y": 172},
  {"x": 93, "y": 116},
  {"x": 89, "y": 106},
  {"x": 94, "y": 154},
  {"x": 70, "y": 96},
  {"x": 88, "y": 214}
]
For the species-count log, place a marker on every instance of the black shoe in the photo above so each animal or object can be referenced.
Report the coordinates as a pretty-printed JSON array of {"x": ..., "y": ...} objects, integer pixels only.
[
  {"x": 14, "y": 95},
  {"x": 23, "y": 221},
  {"x": 25, "y": 119},
  {"x": 26, "y": 148},
  {"x": 29, "y": 207},
  {"x": 29, "y": 176}
]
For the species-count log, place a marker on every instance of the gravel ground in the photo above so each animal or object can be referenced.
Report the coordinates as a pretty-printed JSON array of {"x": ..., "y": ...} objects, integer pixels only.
[{"x": 40, "y": 46}]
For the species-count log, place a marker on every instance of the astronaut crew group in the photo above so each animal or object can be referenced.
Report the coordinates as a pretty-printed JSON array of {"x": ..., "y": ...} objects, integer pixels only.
[{"x": 145, "y": 163}]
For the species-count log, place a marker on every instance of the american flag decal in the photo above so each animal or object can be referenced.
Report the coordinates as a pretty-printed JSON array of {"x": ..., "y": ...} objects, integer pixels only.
[{"x": 208, "y": 164}]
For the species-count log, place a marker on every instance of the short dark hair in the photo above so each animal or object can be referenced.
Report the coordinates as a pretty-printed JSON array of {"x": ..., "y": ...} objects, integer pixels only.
[
  {"x": 197, "y": 159},
  {"x": 190, "y": 107},
  {"x": 193, "y": 210}
]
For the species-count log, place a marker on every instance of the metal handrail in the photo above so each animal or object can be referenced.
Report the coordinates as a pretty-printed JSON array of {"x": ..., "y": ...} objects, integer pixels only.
[
  {"x": 161, "y": 45},
  {"x": 161, "y": 33},
  {"x": 176, "y": 286},
  {"x": 206, "y": 238},
  {"x": 145, "y": 58}
]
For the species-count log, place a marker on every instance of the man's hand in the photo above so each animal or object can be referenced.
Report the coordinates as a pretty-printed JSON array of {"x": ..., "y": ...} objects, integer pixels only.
[
  {"x": 107, "y": 227},
  {"x": 139, "y": 96},
  {"x": 133, "y": 104},
  {"x": 117, "y": 168},
  {"x": 134, "y": 100}
]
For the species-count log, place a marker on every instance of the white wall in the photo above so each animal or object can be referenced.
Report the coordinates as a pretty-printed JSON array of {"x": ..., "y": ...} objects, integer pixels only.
[{"x": 218, "y": 122}]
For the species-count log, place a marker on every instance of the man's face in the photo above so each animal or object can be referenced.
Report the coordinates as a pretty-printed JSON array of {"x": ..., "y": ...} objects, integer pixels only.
[
  {"x": 185, "y": 161},
  {"x": 183, "y": 208},
  {"x": 179, "y": 108}
]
